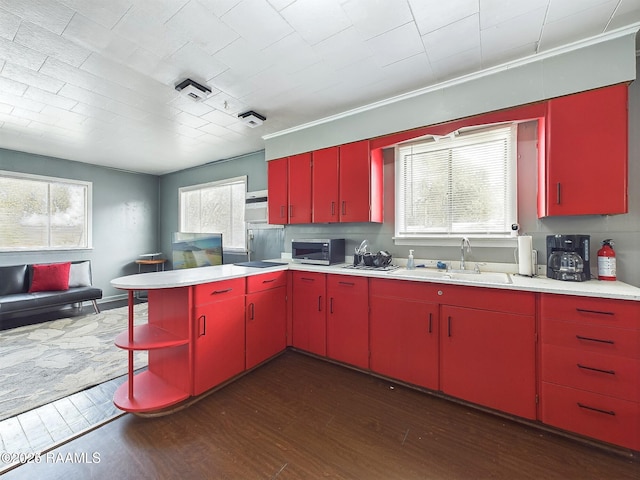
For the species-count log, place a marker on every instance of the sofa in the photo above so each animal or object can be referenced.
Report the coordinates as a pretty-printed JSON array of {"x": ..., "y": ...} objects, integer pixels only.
[{"x": 30, "y": 289}]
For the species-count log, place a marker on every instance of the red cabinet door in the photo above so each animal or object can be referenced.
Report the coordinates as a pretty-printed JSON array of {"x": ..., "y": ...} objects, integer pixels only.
[
  {"x": 348, "y": 319},
  {"x": 277, "y": 172},
  {"x": 404, "y": 340},
  {"x": 299, "y": 184},
  {"x": 355, "y": 182},
  {"x": 266, "y": 325},
  {"x": 488, "y": 358},
  {"x": 586, "y": 153},
  {"x": 219, "y": 343},
  {"x": 309, "y": 324},
  {"x": 324, "y": 185}
]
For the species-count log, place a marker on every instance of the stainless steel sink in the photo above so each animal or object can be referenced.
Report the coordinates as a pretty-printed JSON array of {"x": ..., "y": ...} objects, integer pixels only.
[{"x": 461, "y": 275}]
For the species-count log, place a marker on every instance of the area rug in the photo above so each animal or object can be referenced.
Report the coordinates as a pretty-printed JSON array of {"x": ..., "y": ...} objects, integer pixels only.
[{"x": 48, "y": 361}]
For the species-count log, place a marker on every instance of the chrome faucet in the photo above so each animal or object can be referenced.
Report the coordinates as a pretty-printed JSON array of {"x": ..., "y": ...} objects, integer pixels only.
[{"x": 465, "y": 241}]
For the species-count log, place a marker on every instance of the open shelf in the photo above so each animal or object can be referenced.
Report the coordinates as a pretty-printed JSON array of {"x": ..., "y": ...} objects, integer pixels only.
[
  {"x": 149, "y": 337},
  {"x": 151, "y": 393}
]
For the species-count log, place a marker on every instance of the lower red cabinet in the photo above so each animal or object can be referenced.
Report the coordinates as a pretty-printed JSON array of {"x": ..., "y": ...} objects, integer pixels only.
[
  {"x": 309, "y": 321},
  {"x": 488, "y": 358},
  {"x": 219, "y": 339},
  {"x": 404, "y": 335},
  {"x": 266, "y": 325},
  {"x": 348, "y": 319}
]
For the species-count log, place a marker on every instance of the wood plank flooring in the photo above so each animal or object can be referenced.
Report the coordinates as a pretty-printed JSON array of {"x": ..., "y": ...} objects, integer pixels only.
[{"x": 298, "y": 417}]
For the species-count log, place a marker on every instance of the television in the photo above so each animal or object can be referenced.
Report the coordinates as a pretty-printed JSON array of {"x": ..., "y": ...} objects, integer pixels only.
[{"x": 190, "y": 250}]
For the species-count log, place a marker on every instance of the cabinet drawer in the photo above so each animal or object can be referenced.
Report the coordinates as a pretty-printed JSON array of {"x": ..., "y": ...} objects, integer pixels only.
[
  {"x": 216, "y": 291},
  {"x": 605, "y": 418},
  {"x": 266, "y": 281},
  {"x": 596, "y": 311},
  {"x": 408, "y": 290},
  {"x": 607, "y": 374},
  {"x": 592, "y": 338}
]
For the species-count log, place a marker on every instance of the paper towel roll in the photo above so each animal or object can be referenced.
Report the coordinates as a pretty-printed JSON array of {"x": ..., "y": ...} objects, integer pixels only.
[{"x": 525, "y": 250}]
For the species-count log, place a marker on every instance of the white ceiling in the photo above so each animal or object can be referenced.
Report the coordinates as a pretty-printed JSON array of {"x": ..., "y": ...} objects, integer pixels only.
[{"x": 93, "y": 80}]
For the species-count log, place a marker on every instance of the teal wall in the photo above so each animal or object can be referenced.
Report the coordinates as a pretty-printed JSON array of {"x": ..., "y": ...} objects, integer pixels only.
[
  {"x": 125, "y": 216},
  {"x": 252, "y": 165}
]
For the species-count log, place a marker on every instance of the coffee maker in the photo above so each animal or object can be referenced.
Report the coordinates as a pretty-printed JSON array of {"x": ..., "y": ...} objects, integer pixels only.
[{"x": 568, "y": 257}]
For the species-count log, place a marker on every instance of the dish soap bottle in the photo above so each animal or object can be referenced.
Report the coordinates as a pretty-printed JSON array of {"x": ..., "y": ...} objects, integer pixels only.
[{"x": 410, "y": 263}]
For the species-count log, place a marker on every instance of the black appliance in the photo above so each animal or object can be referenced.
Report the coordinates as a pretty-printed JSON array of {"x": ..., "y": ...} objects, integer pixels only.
[
  {"x": 318, "y": 252},
  {"x": 568, "y": 257}
]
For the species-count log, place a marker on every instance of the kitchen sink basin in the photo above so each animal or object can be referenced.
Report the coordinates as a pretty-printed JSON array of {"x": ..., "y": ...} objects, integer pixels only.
[{"x": 462, "y": 275}]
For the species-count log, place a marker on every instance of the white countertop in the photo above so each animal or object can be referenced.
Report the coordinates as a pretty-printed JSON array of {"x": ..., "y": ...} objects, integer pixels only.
[{"x": 195, "y": 276}]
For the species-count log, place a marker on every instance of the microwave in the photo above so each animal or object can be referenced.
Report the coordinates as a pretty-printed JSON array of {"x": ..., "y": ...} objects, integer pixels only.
[{"x": 318, "y": 252}]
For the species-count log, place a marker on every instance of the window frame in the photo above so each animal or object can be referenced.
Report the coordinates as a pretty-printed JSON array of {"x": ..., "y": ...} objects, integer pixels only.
[
  {"x": 215, "y": 183},
  {"x": 453, "y": 238},
  {"x": 88, "y": 213}
]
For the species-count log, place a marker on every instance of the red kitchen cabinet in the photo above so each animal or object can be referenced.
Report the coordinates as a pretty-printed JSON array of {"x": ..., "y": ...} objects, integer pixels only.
[
  {"x": 266, "y": 317},
  {"x": 488, "y": 358},
  {"x": 324, "y": 185},
  {"x": 348, "y": 319},
  {"x": 278, "y": 205},
  {"x": 299, "y": 185},
  {"x": 584, "y": 168},
  {"x": 309, "y": 321},
  {"x": 360, "y": 183},
  {"x": 590, "y": 366},
  {"x": 219, "y": 345},
  {"x": 403, "y": 333}
]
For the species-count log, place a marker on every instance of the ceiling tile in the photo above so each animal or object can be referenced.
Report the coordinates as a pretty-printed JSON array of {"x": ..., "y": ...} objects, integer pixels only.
[
  {"x": 397, "y": 44},
  {"x": 219, "y": 118},
  {"x": 9, "y": 24},
  {"x": 93, "y": 36},
  {"x": 203, "y": 27},
  {"x": 218, "y": 7},
  {"x": 182, "y": 103},
  {"x": 582, "y": 24},
  {"x": 31, "y": 77},
  {"x": 494, "y": 12},
  {"x": 104, "y": 13},
  {"x": 257, "y": 22},
  {"x": 291, "y": 54},
  {"x": 243, "y": 57},
  {"x": 316, "y": 21},
  {"x": 432, "y": 15},
  {"x": 48, "y": 98},
  {"x": 190, "y": 61},
  {"x": 21, "y": 55},
  {"x": 21, "y": 101},
  {"x": 47, "y": 43},
  {"x": 439, "y": 44},
  {"x": 334, "y": 52},
  {"x": 52, "y": 15},
  {"x": 628, "y": 12},
  {"x": 374, "y": 17},
  {"x": 457, "y": 64},
  {"x": 559, "y": 9},
  {"x": 226, "y": 103},
  {"x": 522, "y": 30}
]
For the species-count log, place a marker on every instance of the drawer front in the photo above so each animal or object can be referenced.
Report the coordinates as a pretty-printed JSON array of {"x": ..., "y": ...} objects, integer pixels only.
[
  {"x": 405, "y": 289},
  {"x": 604, "y": 418},
  {"x": 591, "y": 338},
  {"x": 266, "y": 281},
  {"x": 216, "y": 291},
  {"x": 607, "y": 374},
  {"x": 589, "y": 310}
]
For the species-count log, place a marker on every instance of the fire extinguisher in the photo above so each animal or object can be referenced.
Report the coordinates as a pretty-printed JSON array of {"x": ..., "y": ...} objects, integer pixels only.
[{"x": 606, "y": 261}]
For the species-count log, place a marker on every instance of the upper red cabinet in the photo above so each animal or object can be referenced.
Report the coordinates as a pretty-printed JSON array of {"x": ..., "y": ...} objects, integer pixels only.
[
  {"x": 584, "y": 168},
  {"x": 335, "y": 184},
  {"x": 278, "y": 205},
  {"x": 360, "y": 183},
  {"x": 324, "y": 185}
]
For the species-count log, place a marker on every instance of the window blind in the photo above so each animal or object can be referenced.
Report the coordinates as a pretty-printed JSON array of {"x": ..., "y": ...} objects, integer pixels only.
[{"x": 460, "y": 184}]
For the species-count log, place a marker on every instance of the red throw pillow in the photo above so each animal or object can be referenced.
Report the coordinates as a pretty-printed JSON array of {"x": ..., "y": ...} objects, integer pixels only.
[{"x": 50, "y": 277}]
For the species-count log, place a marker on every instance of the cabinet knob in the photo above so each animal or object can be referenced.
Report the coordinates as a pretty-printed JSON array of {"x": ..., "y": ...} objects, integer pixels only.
[{"x": 439, "y": 292}]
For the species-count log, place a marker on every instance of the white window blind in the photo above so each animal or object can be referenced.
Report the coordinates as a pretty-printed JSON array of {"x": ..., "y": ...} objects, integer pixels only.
[
  {"x": 216, "y": 207},
  {"x": 44, "y": 213},
  {"x": 464, "y": 183}
]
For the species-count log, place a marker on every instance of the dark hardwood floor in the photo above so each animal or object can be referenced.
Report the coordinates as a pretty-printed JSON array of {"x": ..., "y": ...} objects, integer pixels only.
[{"x": 298, "y": 417}]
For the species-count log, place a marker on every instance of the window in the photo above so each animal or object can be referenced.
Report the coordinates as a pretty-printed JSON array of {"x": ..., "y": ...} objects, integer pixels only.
[
  {"x": 461, "y": 184},
  {"x": 216, "y": 207},
  {"x": 43, "y": 213}
]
